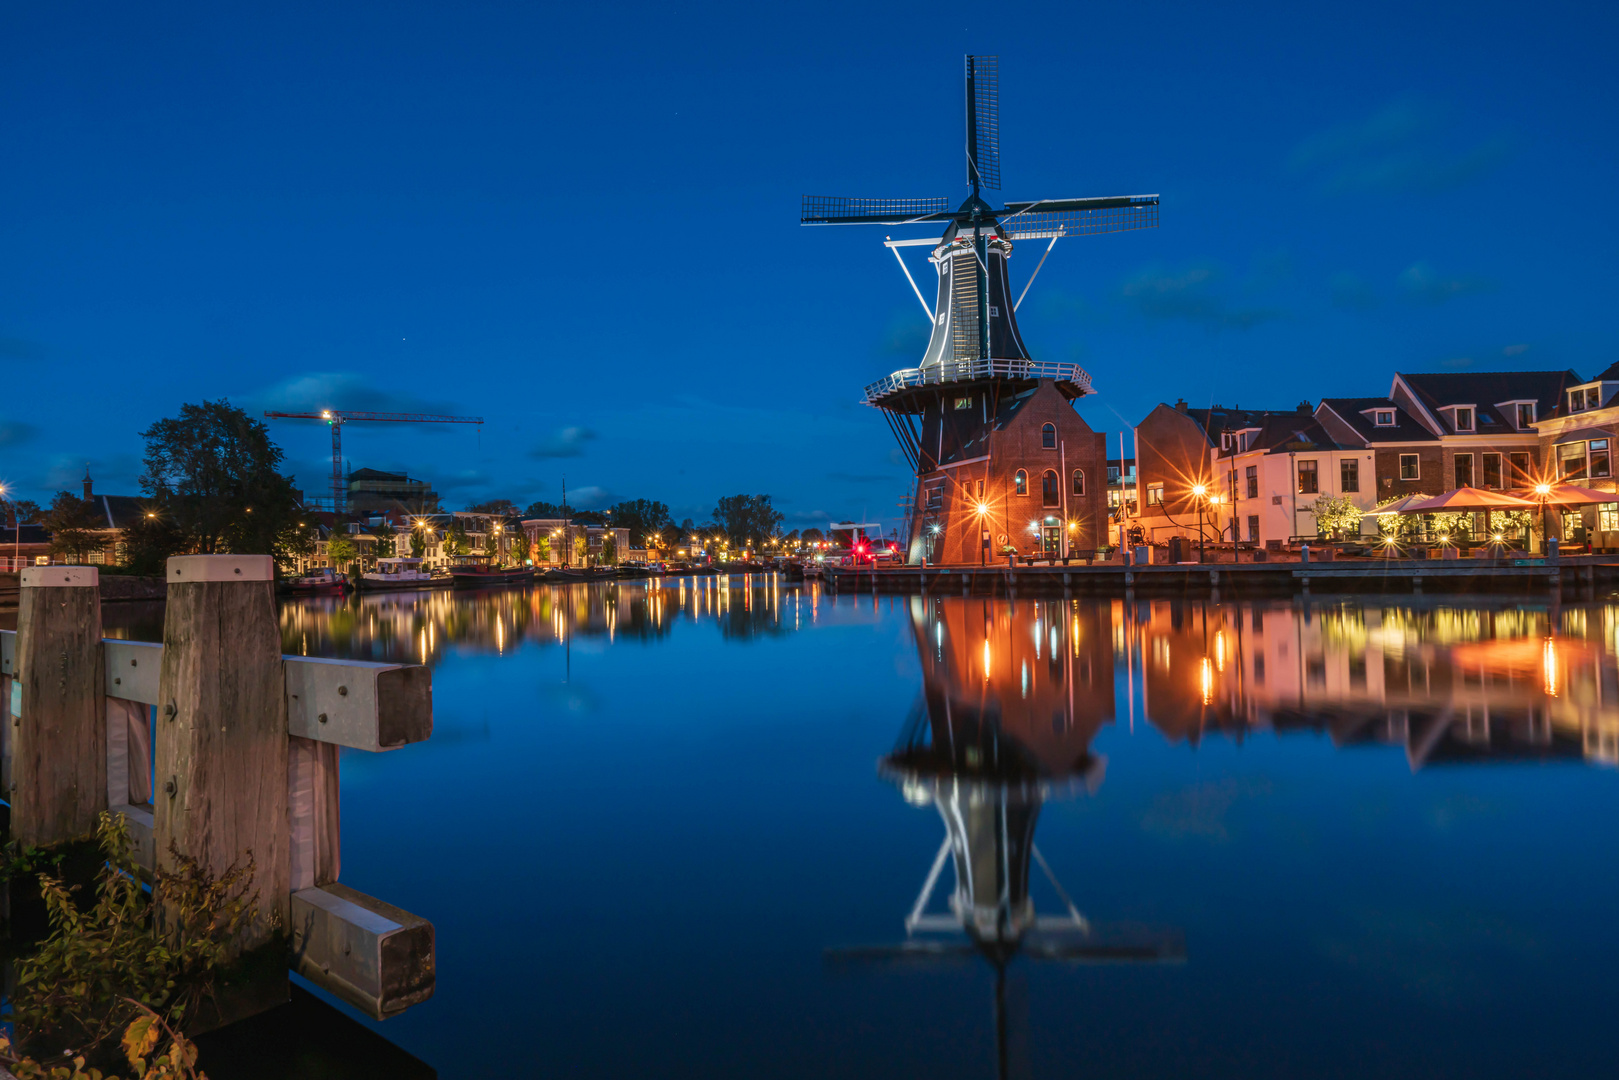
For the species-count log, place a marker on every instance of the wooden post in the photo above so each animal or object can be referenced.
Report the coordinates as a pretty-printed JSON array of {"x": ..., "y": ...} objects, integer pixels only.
[
  {"x": 59, "y": 745},
  {"x": 221, "y": 775}
]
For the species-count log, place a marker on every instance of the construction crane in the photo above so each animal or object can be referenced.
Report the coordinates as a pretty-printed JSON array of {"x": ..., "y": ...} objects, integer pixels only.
[{"x": 336, "y": 418}]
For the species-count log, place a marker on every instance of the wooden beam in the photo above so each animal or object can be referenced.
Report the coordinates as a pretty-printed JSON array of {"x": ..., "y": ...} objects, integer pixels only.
[
  {"x": 358, "y": 704},
  {"x": 221, "y": 774},
  {"x": 376, "y": 957},
  {"x": 58, "y": 778}
]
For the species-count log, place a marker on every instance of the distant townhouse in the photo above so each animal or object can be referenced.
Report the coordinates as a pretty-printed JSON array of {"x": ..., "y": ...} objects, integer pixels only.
[
  {"x": 1575, "y": 445},
  {"x": 1270, "y": 472},
  {"x": 1439, "y": 431},
  {"x": 1175, "y": 447}
]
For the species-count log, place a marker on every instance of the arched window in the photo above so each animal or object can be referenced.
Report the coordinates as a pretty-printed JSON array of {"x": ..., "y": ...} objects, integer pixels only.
[
  {"x": 1048, "y": 437},
  {"x": 1079, "y": 481},
  {"x": 1020, "y": 482},
  {"x": 1049, "y": 494}
]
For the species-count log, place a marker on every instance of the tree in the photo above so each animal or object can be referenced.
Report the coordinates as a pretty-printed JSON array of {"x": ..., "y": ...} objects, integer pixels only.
[
  {"x": 544, "y": 509},
  {"x": 149, "y": 541},
  {"x": 540, "y": 552},
  {"x": 385, "y": 539},
  {"x": 590, "y": 517},
  {"x": 1335, "y": 515},
  {"x": 745, "y": 516},
  {"x": 340, "y": 552},
  {"x": 642, "y": 517},
  {"x": 581, "y": 548},
  {"x": 212, "y": 470},
  {"x": 609, "y": 549},
  {"x": 19, "y": 512},
  {"x": 455, "y": 538},
  {"x": 72, "y": 523},
  {"x": 503, "y": 507},
  {"x": 520, "y": 545},
  {"x": 812, "y": 536},
  {"x": 418, "y": 542}
]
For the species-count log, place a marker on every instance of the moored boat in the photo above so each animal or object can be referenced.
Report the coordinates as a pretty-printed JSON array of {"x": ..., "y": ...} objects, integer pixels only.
[
  {"x": 319, "y": 581},
  {"x": 475, "y": 571},
  {"x": 400, "y": 573}
]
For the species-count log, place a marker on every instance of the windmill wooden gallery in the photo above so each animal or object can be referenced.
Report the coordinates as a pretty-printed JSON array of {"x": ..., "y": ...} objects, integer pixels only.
[{"x": 992, "y": 435}]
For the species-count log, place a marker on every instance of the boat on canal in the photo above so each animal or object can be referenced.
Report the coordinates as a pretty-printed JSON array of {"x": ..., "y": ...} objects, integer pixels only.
[
  {"x": 319, "y": 581},
  {"x": 582, "y": 573},
  {"x": 477, "y": 571},
  {"x": 400, "y": 573}
]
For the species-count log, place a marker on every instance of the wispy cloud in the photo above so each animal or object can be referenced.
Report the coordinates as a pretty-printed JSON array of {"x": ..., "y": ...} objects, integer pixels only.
[
  {"x": 565, "y": 442},
  {"x": 313, "y": 391},
  {"x": 1352, "y": 292},
  {"x": 1194, "y": 295},
  {"x": 15, "y": 432},
  {"x": 1399, "y": 148},
  {"x": 1423, "y": 285}
]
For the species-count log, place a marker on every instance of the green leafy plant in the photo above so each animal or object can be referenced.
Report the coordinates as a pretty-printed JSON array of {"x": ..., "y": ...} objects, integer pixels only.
[
  {"x": 128, "y": 955},
  {"x": 1335, "y": 515}
]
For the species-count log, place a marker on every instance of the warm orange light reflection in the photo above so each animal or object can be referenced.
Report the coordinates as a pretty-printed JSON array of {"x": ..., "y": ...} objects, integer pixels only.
[
  {"x": 1208, "y": 681},
  {"x": 1219, "y": 651},
  {"x": 1548, "y": 666}
]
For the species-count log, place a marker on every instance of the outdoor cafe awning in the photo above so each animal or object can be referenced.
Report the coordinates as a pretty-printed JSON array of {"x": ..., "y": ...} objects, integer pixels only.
[{"x": 1467, "y": 498}]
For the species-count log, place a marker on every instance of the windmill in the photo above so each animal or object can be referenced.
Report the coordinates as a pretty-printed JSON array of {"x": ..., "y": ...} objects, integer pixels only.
[
  {"x": 336, "y": 418},
  {"x": 975, "y": 347}
]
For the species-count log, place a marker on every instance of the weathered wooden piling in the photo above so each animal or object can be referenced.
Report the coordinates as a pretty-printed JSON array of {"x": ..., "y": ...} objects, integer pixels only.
[
  {"x": 58, "y": 749},
  {"x": 244, "y": 759}
]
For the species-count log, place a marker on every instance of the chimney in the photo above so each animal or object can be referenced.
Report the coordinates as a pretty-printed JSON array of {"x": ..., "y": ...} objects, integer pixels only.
[
  {"x": 1304, "y": 407},
  {"x": 88, "y": 494},
  {"x": 1180, "y": 404}
]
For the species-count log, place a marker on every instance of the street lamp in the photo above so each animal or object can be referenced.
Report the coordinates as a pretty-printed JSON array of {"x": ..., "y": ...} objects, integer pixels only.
[
  {"x": 982, "y": 510},
  {"x": 1200, "y": 493},
  {"x": 1544, "y": 491}
]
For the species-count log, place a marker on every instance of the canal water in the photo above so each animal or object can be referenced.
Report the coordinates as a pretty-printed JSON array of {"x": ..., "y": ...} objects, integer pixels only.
[{"x": 687, "y": 828}]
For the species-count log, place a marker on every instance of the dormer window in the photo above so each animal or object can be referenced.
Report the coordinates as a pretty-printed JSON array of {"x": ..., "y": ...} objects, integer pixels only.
[
  {"x": 1576, "y": 401},
  {"x": 1227, "y": 440},
  {"x": 1383, "y": 417},
  {"x": 1593, "y": 397},
  {"x": 1464, "y": 419},
  {"x": 1526, "y": 414}
]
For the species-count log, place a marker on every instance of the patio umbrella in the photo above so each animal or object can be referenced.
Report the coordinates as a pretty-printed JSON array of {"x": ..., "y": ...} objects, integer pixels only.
[
  {"x": 1398, "y": 506},
  {"x": 1467, "y": 498}
]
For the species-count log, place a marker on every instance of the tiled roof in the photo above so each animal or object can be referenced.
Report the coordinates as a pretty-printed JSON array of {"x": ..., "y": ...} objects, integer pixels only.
[
  {"x": 1483, "y": 389},
  {"x": 1289, "y": 433},
  {"x": 1352, "y": 411}
]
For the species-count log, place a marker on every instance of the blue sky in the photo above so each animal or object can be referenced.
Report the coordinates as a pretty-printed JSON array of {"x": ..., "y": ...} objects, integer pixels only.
[{"x": 580, "y": 222}]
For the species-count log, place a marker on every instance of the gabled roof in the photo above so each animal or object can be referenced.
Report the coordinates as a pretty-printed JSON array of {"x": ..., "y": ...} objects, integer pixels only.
[
  {"x": 1287, "y": 434},
  {"x": 1482, "y": 389},
  {"x": 1609, "y": 374},
  {"x": 1218, "y": 418},
  {"x": 31, "y": 534},
  {"x": 1353, "y": 411}
]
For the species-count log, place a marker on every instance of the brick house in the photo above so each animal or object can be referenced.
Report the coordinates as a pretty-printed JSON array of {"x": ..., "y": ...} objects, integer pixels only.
[
  {"x": 1033, "y": 478},
  {"x": 1175, "y": 448},
  {"x": 1575, "y": 444},
  {"x": 1437, "y": 432}
]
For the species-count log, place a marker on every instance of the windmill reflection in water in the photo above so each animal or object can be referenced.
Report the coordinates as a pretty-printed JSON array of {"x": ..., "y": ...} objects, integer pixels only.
[{"x": 1013, "y": 693}]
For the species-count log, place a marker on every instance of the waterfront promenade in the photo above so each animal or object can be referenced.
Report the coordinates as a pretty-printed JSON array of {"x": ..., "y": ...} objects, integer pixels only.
[{"x": 1243, "y": 579}]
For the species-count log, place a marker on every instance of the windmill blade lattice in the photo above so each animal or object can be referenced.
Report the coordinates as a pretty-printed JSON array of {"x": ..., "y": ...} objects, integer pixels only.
[
  {"x": 1070, "y": 217},
  {"x": 853, "y": 210},
  {"x": 984, "y": 122}
]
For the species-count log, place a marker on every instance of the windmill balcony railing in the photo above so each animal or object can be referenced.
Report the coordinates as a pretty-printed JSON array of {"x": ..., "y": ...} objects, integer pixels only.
[{"x": 970, "y": 370}]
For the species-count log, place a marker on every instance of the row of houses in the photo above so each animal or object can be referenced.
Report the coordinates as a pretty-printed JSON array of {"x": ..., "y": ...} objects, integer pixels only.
[
  {"x": 375, "y": 531},
  {"x": 1252, "y": 475}
]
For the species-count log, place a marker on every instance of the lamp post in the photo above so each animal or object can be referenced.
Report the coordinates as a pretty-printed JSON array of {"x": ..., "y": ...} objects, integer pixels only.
[
  {"x": 16, "y": 528},
  {"x": 1199, "y": 492},
  {"x": 1543, "y": 491},
  {"x": 982, "y": 510}
]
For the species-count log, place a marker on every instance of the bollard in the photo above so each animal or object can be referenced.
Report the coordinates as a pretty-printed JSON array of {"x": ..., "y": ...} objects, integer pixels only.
[
  {"x": 221, "y": 776},
  {"x": 58, "y": 744}
]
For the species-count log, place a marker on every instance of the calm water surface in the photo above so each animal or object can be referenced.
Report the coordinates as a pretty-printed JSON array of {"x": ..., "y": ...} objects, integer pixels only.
[{"x": 682, "y": 829}]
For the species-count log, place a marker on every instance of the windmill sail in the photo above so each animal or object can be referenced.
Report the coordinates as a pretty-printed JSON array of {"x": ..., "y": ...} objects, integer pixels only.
[
  {"x": 1079, "y": 217},
  {"x": 845, "y": 210},
  {"x": 984, "y": 122}
]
